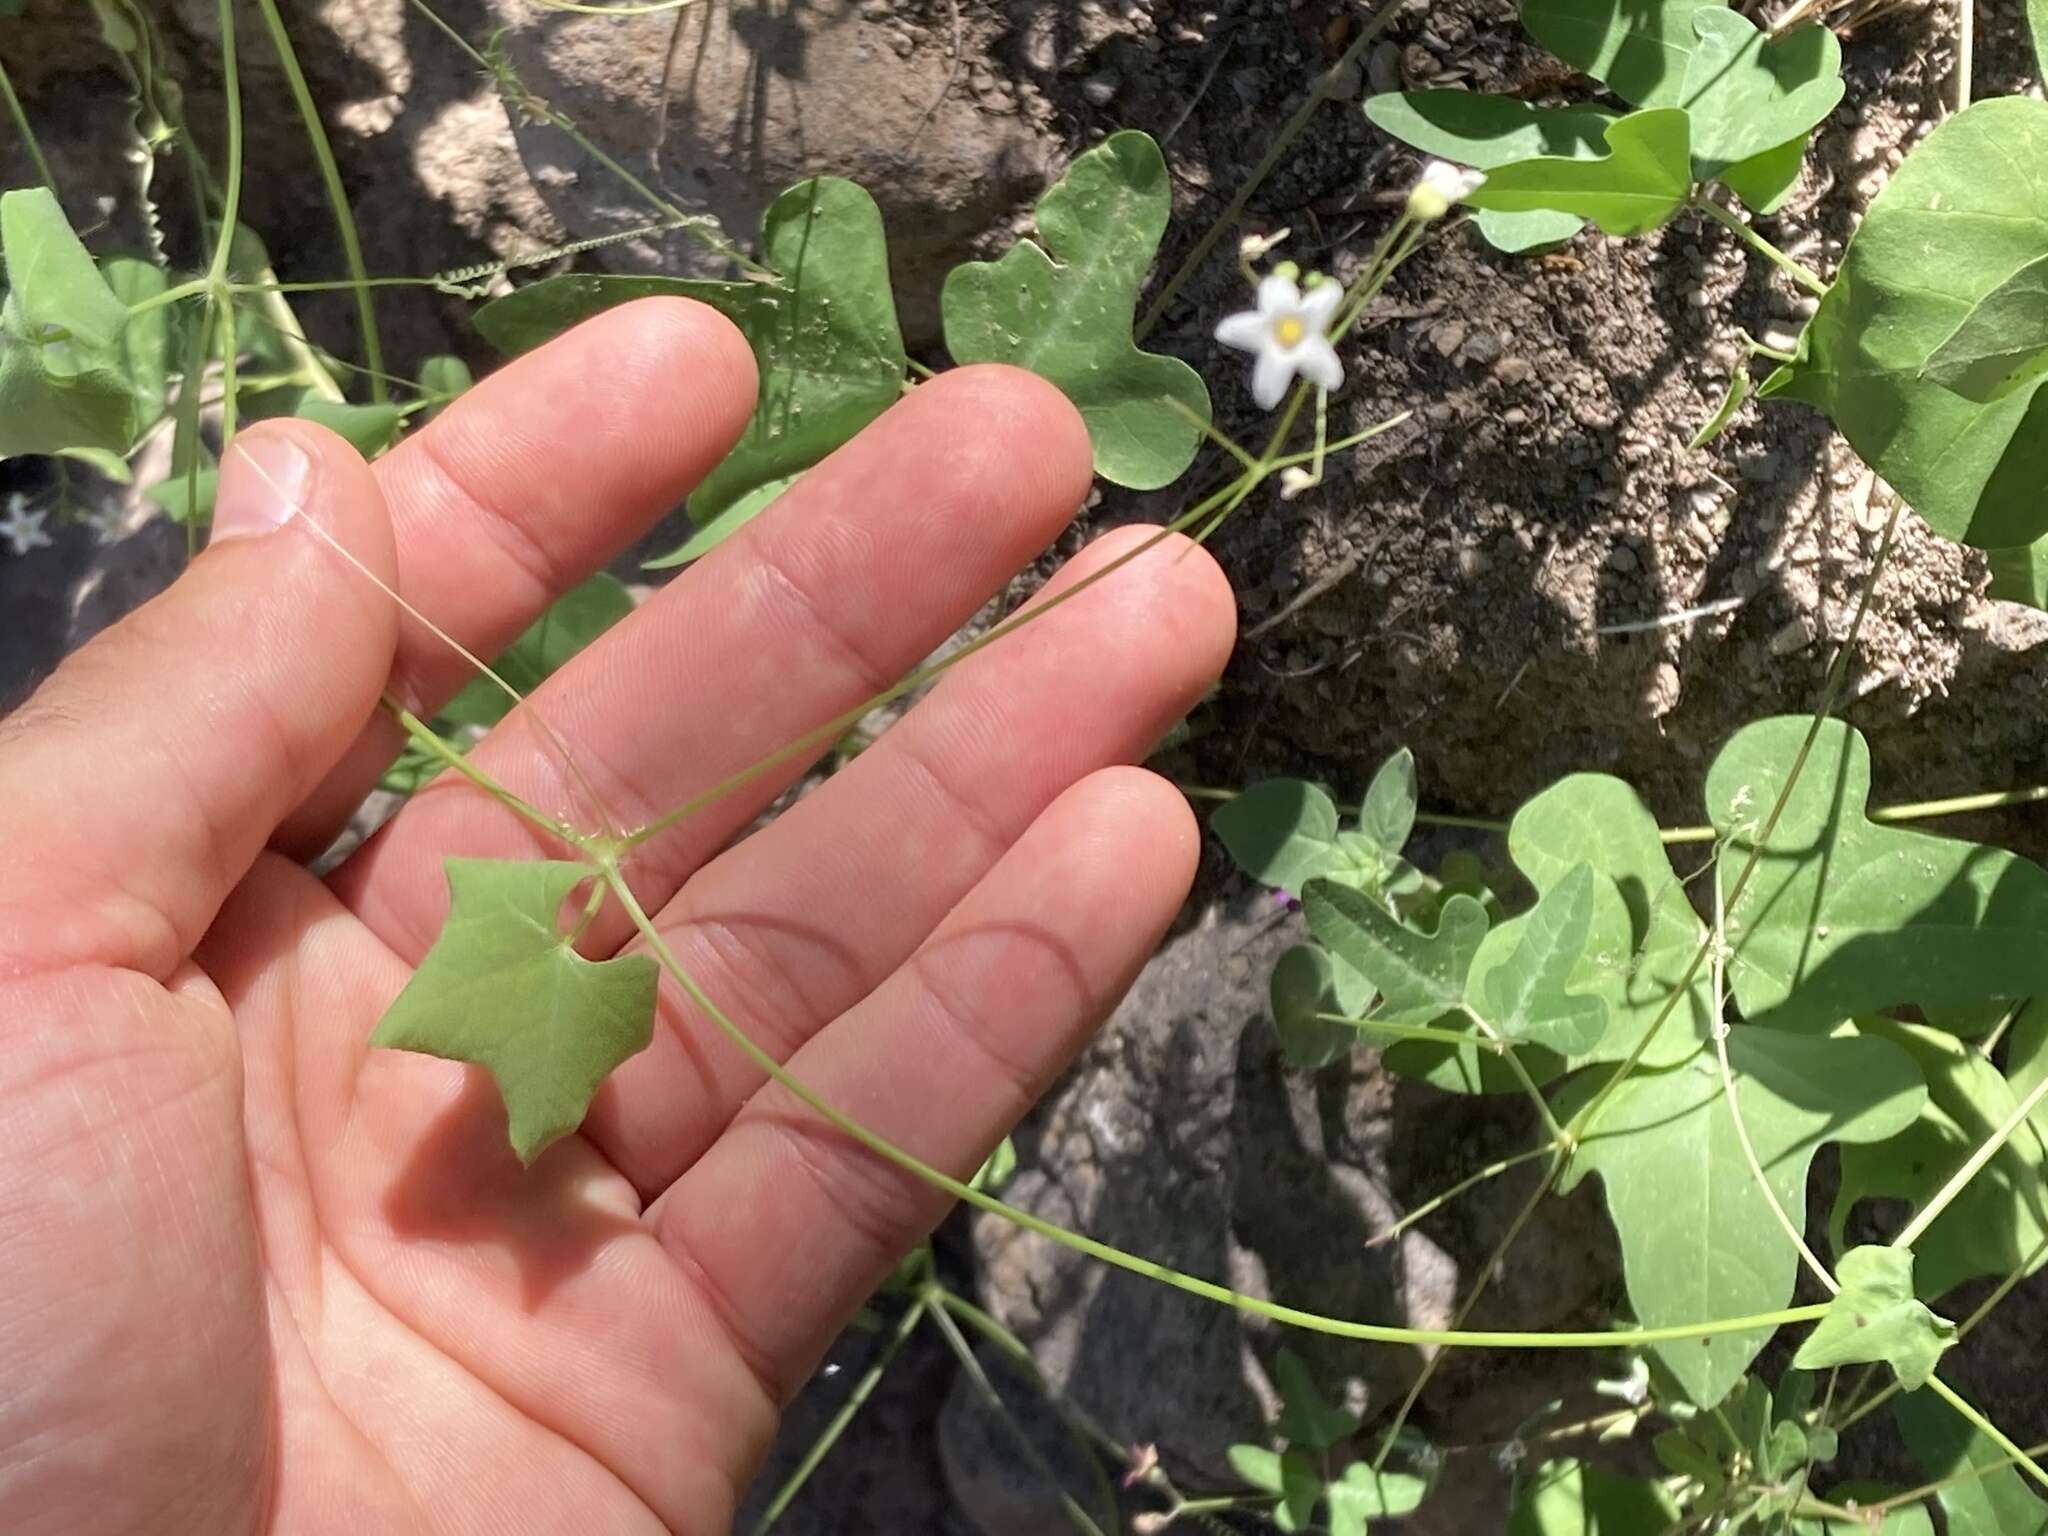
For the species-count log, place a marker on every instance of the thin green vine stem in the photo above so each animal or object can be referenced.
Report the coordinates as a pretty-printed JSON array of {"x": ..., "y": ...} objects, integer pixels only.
[
  {"x": 1975, "y": 1474},
  {"x": 1314, "y": 1322},
  {"x": 231, "y": 188},
  {"x": 863, "y": 1389},
  {"x": 1488, "y": 1033},
  {"x": 1801, "y": 274},
  {"x": 1423, "y": 1032},
  {"x": 337, "y": 195},
  {"x": 28, "y": 134},
  {"x": 428, "y": 739}
]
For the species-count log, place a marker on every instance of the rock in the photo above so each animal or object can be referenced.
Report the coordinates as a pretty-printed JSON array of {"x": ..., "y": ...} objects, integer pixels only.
[
  {"x": 1007, "y": 1470},
  {"x": 758, "y": 96},
  {"x": 1180, "y": 1136}
]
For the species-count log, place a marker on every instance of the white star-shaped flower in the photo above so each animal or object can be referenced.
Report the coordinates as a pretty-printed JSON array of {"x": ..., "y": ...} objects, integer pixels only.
[
  {"x": 21, "y": 528},
  {"x": 1287, "y": 333},
  {"x": 1440, "y": 185}
]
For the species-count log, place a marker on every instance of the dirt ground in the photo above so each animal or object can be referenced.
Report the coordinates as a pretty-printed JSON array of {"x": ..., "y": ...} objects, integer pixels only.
[{"x": 1484, "y": 584}]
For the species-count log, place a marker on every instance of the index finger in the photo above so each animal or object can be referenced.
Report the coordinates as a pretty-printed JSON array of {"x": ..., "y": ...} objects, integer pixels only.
[{"x": 531, "y": 480}]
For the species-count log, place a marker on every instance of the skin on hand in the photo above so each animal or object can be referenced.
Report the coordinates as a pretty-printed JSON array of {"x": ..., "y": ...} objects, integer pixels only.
[{"x": 256, "y": 1277}]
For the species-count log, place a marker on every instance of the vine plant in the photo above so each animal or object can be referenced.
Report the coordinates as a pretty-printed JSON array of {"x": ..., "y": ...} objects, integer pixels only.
[{"x": 1828, "y": 974}]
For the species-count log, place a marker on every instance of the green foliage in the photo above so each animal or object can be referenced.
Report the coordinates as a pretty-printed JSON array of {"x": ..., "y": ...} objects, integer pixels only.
[
  {"x": 1475, "y": 129},
  {"x": 1306, "y": 1421},
  {"x": 1876, "y": 1317},
  {"x": 64, "y": 374},
  {"x": 569, "y": 624},
  {"x": 503, "y": 987},
  {"x": 1281, "y": 832},
  {"x": 1698, "y": 1235},
  {"x": 2021, "y": 575},
  {"x": 441, "y": 378},
  {"x": 723, "y": 526},
  {"x": 1748, "y": 93},
  {"x": 1420, "y": 977},
  {"x": 1064, "y": 310},
  {"x": 1844, "y": 916},
  {"x": 1641, "y": 49},
  {"x": 1362, "y": 1495},
  {"x": 824, "y": 333},
  {"x": 1304, "y": 989},
  {"x": 1386, "y": 817},
  {"x": 1645, "y": 177},
  {"x": 1594, "y": 819},
  {"x": 2001, "y": 1216},
  {"x": 1289, "y": 1474},
  {"x": 1990, "y": 1497},
  {"x": 1527, "y": 996},
  {"x": 146, "y": 339},
  {"x": 1575, "y": 1498},
  {"x": 1963, "y": 215},
  {"x": 2001, "y": 344}
]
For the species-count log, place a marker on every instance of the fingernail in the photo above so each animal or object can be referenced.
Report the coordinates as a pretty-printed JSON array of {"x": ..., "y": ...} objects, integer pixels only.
[{"x": 262, "y": 486}]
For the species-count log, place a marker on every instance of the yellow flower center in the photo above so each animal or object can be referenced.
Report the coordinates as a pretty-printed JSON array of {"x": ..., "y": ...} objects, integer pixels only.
[{"x": 1288, "y": 330}]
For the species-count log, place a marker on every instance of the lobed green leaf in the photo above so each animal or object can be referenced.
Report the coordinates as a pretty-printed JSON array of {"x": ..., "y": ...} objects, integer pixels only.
[
  {"x": 1064, "y": 310},
  {"x": 1874, "y": 1317},
  {"x": 1643, "y": 179}
]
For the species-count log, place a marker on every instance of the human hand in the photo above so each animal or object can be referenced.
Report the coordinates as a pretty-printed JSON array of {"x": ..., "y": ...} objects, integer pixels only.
[{"x": 257, "y": 1277}]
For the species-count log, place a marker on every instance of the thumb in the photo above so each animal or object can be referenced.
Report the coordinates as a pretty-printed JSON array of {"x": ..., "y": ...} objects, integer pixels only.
[{"x": 140, "y": 782}]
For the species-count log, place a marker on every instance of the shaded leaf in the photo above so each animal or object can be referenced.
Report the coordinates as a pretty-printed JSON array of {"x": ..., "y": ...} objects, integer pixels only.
[
  {"x": 64, "y": 380},
  {"x": 2002, "y": 1214},
  {"x": 567, "y": 625},
  {"x": 1305, "y": 1419},
  {"x": 824, "y": 333},
  {"x": 1064, "y": 310},
  {"x": 1698, "y": 1237},
  {"x": 1304, "y": 986},
  {"x": 1281, "y": 832},
  {"x": 1844, "y": 916},
  {"x": 1485, "y": 131},
  {"x": 1527, "y": 996},
  {"x": 1641, "y": 182},
  {"x": 1572, "y": 1498},
  {"x": 723, "y": 526},
  {"x": 1764, "y": 181},
  {"x": 1965, "y": 211},
  {"x": 1998, "y": 1501},
  {"x": 502, "y": 988},
  {"x": 1641, "y": 48},
  {"x": 442, "y": 377},
  {"x": 1875, "y": 1317},
  {"x": 1750, "y": 93}
]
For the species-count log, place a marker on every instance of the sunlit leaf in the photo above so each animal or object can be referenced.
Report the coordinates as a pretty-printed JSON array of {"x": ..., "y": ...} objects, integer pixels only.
[
  {"x": 1527, "y": 996},
  {"x": 1844, "y": 916},
  {"x": 64, "y": 380},
  {"x": 1641, "y": 48},
  {"x": 1387, "y": 815},
  {"x": 1064, "y": 310},
  {"x": 1965, "y": 211},
  {"x": 1281, "y": 832},
  {"x": 1291, "y": 1475},
  {"x": 1363, "y": 1495},
  {"x": 442, "y": 377},
  {"x": 1644, "y": 178},
  {"x": 2020, "y": 575},
  {"x": 502, "y": 987},
  {"x": 824, "y": 333},
  {"x": 146, "y": 338},
  {"x": 723, "y": 526},
  {"x": 1473, "y": 128},
  {"x": 1876, "y": 1316},
  {"x": 1420, "y": 977},
  {"x": 1698, "y": 1236},
  {"x": 1750, "y": 92}
]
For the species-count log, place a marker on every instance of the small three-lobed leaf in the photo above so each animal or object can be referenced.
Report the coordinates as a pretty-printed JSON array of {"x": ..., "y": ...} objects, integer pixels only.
[
  {"x": 1643, "y": 179},
  {"x": 1875, "y": 1316},
  {"x": 503, "y": 988},
  {"x": 1527, "y": 997}
]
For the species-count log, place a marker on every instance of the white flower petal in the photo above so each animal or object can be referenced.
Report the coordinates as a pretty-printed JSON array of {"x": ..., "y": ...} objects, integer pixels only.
[
  {"x": 1277, "y": 295},
  {"x": 1245, "y": 330},
  {"x": 1270, "y": 378},
  {"x": 1316, "y": 360},
  {"x": 1320, "y": 303}
]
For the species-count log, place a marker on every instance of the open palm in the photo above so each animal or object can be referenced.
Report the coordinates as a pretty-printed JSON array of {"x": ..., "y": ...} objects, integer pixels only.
[{"x": 257, "y": 1277}]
